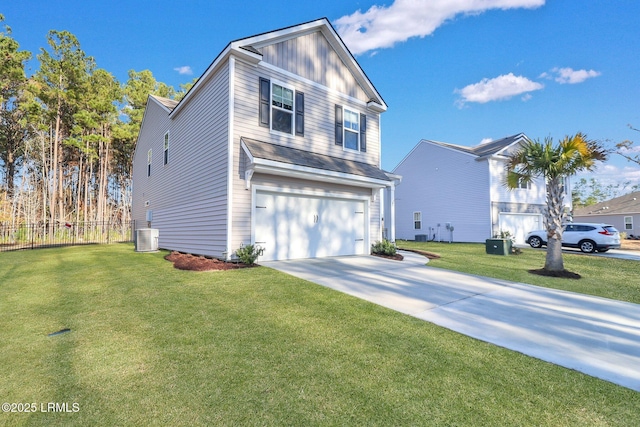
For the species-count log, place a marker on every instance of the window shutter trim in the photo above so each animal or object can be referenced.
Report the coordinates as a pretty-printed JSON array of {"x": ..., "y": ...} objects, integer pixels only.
[
  {"x": 299, "y": 114},
  {"x": 363, "y": 132},
  {"x": 339, "y": 125},
  {"x": 265, "y": 101}
]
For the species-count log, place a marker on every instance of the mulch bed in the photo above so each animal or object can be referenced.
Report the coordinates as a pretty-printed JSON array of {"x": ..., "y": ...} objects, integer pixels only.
[
  {"x": 199, "y": 263},
  {"x": 564, "y": 274},
  {"x": 396, "y": 257}
]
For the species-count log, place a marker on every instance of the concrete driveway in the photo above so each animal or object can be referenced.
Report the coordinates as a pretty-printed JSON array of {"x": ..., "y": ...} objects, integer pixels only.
[{"x": 597, "y": 336}]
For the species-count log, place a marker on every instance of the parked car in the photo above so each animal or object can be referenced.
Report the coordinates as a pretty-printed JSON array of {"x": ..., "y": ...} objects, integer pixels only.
[{"x": 585, "y": 236}]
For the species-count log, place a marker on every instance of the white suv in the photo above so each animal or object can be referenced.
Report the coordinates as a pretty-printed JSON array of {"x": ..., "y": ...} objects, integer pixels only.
[{"x": 585, "y": 236}]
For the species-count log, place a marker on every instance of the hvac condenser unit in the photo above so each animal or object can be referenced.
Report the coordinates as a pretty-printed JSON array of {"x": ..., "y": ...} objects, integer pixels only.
[{"x": 147, "y": 239}]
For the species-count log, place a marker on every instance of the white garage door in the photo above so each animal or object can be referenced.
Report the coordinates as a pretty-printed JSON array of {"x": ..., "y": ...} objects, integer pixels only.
[
  {"x": 520, "y": 224},
  {"x": 292, "y": 226}
]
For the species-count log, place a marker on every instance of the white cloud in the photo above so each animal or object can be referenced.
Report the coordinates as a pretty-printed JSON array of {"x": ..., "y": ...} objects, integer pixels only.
[
  {"x": 384, "y": 26},
  {"x": 496, "y": 89},
  {"x": 569, "y": 75},
  {"x": 185, "y": 69},
  {"x": 486, "y": 140},
  {"x": 606, "y": 174}
]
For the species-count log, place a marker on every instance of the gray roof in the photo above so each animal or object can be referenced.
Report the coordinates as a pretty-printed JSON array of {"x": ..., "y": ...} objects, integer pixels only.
[
  {"x": 169, "y": 103},
  {"x": 294, "y": 156},
  {"x": 486, "y": 149},
  {"x": 627, "y": 204}
]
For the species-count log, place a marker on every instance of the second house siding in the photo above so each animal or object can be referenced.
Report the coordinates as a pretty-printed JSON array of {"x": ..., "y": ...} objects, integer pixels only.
[{"x": 446, "y": 187}]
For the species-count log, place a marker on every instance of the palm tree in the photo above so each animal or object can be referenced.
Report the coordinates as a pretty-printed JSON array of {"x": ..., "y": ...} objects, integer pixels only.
[{"x": 555, "y": 163}]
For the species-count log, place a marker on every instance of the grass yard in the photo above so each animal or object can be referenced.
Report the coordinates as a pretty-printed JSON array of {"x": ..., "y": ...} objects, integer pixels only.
[
  {"x": 605, "y": 277},
  {"x": 153, "y": 345}
]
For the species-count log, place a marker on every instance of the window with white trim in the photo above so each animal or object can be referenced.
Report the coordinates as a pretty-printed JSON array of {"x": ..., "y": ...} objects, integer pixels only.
[
  {"x": 149, "y": 162},
  {"x": 281, "y": 108},
  {"x": 351, "y": 129},
  {"x": 417, "y": 220},
  {"x": 166, "y": 148},
  {"x": 628, "y": 223},
  {"x": 524, "y": 185}
]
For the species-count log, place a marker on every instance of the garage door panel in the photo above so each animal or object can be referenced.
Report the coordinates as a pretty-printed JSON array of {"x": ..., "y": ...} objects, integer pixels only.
[{"x": 297, "y": 226}]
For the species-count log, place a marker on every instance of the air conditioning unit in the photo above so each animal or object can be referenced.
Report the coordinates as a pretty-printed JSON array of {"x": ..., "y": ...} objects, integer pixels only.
[{"x": 147, "y": 239}]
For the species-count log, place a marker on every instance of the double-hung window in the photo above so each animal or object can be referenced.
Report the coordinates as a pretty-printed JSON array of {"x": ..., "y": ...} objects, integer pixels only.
[
  {"x": 149, "y": 162},
  {"x": 351, "y": 129},
  {"x": 417, "y": 220},
  {"x": 281, "y": 108},
  {"x": 628, "y": 223}
]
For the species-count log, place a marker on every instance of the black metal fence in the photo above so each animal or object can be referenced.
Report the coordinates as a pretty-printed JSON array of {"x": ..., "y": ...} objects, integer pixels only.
[{"x": 46, "y": 235}]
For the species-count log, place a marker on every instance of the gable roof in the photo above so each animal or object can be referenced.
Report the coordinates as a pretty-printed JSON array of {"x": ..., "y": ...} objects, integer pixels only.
[
  {"x": 248, "y": 49},
  {"x": 166, "y": 103},
  {"x": 627, "y": 204},
  {"x": 497, "y": 147}
]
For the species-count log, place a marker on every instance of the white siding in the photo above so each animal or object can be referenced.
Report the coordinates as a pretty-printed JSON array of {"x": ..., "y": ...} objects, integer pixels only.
[
  {"x": 447, "y": 186},
  {"x": 501, "y": 194},
  {"x": 188, "y": 195}
]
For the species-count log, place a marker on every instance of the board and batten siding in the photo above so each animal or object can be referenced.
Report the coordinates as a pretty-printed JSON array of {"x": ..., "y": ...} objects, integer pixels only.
[
  {"x": 188, "y": 197},
  {"x": 312, "y": 57},
  {"x": 447, "y": 186}
]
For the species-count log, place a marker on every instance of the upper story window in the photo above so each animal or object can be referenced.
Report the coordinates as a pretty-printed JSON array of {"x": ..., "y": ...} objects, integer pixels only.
[
  {"x": 166, "y": 148},
  {"x": 281, "y": 108},
  {"x": 351, "y": 129},
  {"x": 524, "y": 184},
  {"x": 149, "y": 162}
]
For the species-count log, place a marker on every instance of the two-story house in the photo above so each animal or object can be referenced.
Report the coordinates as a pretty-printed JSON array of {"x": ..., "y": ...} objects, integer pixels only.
[
  {"x": 457, "y": 193},
  {"x": 277, "y": 144}
]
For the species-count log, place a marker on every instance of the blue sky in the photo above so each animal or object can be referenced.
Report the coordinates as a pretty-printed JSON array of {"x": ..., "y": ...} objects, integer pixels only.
[{"x": 462, "y": 71}]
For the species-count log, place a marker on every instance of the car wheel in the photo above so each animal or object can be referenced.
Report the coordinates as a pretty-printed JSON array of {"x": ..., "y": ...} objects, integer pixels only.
[
  {"x": 587, "y": 246},
  {"x": 535, "y": 241}
]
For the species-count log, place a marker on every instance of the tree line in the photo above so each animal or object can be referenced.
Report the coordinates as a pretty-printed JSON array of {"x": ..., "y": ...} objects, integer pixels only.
[{"x": 67, "y": 133}]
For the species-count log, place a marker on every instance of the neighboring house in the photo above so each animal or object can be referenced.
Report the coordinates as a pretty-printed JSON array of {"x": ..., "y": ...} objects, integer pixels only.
[
  {"x": 277, "y": 144},
  {"x": 622, "y": 212},
  {"x": 456, "y": 193}
]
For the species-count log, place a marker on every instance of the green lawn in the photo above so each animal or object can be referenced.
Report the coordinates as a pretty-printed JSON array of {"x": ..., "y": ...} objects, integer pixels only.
[
  {"x": 152, "y": 345},
  {"x": 604, "y": 277}
]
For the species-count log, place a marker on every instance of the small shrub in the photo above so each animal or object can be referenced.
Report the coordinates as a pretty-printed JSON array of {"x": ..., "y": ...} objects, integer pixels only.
[
  {"x": 384, "y": 247},
  {"x": 249, "y": 254}
]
